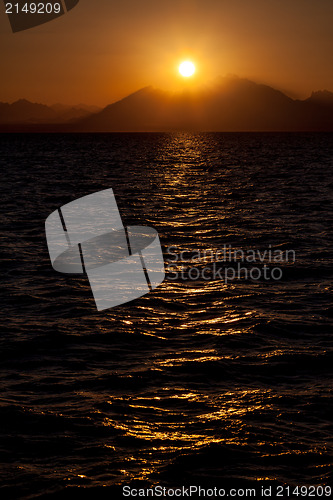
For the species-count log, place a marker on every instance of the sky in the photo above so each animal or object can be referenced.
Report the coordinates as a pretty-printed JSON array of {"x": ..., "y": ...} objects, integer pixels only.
[{"x": 103, "y": 50}]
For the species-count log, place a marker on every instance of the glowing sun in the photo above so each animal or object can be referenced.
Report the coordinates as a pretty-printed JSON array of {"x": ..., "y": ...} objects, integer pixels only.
[{"x": 186, "y": 68}]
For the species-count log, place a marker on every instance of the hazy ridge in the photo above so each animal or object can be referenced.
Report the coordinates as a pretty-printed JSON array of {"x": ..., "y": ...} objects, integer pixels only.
[{"x": 234, "y": 104}]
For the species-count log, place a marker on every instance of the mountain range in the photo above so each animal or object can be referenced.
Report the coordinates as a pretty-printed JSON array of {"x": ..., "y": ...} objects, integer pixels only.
[
  {"x": 233, "y": 104},
  {"x": 25, "y": 112}
]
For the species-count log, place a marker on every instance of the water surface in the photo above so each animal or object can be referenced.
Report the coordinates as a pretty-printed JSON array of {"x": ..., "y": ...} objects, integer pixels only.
[{"x": 201, "y": 381}]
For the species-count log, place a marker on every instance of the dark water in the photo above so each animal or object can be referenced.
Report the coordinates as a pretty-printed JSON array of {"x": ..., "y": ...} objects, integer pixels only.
[{"x": 199, "y": 382}]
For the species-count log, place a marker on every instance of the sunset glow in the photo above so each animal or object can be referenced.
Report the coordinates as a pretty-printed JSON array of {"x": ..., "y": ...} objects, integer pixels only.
[
  {"x": 167, "y": 249},
  {"x": 187, "y": 69},
  {"x": 129, "y": 52}
]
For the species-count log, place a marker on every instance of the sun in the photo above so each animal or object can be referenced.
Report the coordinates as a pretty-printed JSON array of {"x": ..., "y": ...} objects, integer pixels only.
[{"x": 186, "y": 69}]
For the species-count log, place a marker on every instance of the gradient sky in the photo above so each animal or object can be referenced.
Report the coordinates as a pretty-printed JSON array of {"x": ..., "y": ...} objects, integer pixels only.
[{"x": 105, "y": 49}]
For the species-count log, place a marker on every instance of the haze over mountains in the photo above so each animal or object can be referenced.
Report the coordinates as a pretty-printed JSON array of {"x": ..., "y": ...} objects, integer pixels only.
[
  {"x": 23, "y": 111},
  {"x": 234, "y": 104}
]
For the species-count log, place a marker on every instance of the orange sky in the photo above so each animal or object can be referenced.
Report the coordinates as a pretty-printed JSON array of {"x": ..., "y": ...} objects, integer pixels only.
[{"x": 103, "y": 50}]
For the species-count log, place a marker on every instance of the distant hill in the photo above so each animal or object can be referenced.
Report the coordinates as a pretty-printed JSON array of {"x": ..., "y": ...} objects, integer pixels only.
[
  {"x": 26, "y": 112},
  {"x": 234, "y": 104},
  {"x": 23, "y": 111},
  {"x": 323, "y": 97}
]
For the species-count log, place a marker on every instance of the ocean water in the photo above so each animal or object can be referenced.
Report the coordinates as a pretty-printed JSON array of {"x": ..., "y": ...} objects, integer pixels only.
[{"x": 202, "y": 381}]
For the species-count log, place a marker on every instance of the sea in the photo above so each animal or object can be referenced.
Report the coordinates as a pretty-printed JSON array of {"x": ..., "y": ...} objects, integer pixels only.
[{"x": 221, "y": 377}]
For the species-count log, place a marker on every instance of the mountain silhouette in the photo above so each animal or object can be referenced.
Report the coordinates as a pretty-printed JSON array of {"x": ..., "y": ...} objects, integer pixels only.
[
  {"x": 232, "y": 105},
  {"x": 23, "y": 111},
  {"x": 26, "y": 112}
]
